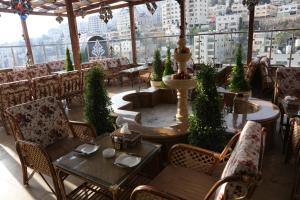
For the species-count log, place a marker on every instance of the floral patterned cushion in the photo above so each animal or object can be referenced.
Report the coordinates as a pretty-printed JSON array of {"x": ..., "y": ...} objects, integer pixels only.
[
  {"x": 41, "y": 121},
  {"x": 103, "y": 63},
  {"x": 3, "y": 78},
  {"x": 70, "y": 83},
  {"x": 288, "y": 82},
  {"x": 45, "y": 86},
  {"x": 88, "y": 65},
  {"x": 113, "y": 64},
  {"x": 18, "y": 75},
  {"x": 37, "y": 71},
  {"x": 123, "y": 61},
  {"x": 243, "y": 160},
  {"x": 14, "y": 93},
  {"x": 56, "y": 65}
]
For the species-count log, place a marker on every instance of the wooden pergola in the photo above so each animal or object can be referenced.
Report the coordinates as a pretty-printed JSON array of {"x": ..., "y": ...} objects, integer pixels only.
[{"x": 74, "y": 8}]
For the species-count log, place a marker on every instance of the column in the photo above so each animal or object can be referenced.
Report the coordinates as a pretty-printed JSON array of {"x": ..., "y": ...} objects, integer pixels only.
[
  {"x": 251, "y": 8},
  {"x": 27, "y": 40},
  {"x": 133, "y": 33},
  {"x": 73, "y": 34}
]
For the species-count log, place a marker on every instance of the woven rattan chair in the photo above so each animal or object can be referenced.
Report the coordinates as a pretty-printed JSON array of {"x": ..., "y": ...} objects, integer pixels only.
[
  {"x": 11, "y": 94},
  {"x": 190, "y": 174},
  {"x": 45, "y": 86},
  {"x": 55, "y": 66},
  {"x": 71, "y": 86},
  {"x": 44, "y": 134},
  {"x": 295, "y": 149}
]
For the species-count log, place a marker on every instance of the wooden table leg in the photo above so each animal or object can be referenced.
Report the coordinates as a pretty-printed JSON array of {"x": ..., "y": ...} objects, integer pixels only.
[{"x": 60, "y": 180}]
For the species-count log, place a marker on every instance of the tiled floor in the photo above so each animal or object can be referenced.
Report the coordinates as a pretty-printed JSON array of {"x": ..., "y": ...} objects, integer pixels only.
[{"x": 276, "y": 183}]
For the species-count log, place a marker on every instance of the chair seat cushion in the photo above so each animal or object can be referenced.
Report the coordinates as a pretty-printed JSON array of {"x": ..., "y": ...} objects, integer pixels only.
[
  {"x": 62, "y": 147},
  {"x": 183, "y": 183}
]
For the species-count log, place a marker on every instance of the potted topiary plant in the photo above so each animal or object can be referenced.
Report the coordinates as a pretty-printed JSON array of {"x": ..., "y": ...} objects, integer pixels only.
[
  {"x": 168, "y": 70},
  {"x": 68, "y": 64},
  {"x": 206, "y": 128},
  {"x": 97, "y": 102},
  {"x": 238, "y": 83},
  {"x": 157, "y": 71}
]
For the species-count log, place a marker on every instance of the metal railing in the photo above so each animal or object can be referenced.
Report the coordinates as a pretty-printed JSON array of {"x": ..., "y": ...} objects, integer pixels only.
[{"x": 281, "y": 46}]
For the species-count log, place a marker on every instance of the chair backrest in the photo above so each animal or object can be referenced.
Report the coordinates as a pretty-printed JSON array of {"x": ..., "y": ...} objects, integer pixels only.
[
  {"x": 14, "y": 93},
  {"x": 295, "y": 133},
  {"x": 88, "y": 65},
  {"x": 56, "y": 65},
  {"x": 113, "y": 64},
  {"x": 245, "y": 159},
  {"x": 70, "y": 83},
  {"x": 103, "y": 63},
  {"x": 84, "y": 73},
  {"x": 37, "y": 70},
  {"x": 3, "y": 77},
  {"x": 287, "y": 83},
  {"x": 41, "y": 121},
  {"x": 123, "y": 61},
  {"x": 18, "y": 75},
  {"x": 45, "y": 86}
]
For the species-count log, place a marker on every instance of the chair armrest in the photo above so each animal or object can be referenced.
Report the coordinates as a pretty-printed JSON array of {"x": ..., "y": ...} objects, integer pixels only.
[
  {"x": 84, "y": 131},
  {"x": 34, "y": 156},
  {"x": 195, "y": 158},
  {"x": 143, "y": 192}
]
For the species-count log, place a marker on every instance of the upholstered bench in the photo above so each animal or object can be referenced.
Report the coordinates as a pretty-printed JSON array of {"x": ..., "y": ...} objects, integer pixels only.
[{"x": 189, "y": 174}]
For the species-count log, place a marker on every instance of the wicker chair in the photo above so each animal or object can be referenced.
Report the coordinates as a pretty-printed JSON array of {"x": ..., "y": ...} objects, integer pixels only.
[
  {"x": 44, "y": 133},
  {"x": 55, "y": 66},
  {"x": 189, "y": 175},
  {"x": 37, "y": 70},
  {"x": 46, "y": 86},
  {"x": 71, "y": 86},
  {"x": 11, "y": 94},
  {"x": 295, "y": 148},
  {"x": 18, "y": 75}
]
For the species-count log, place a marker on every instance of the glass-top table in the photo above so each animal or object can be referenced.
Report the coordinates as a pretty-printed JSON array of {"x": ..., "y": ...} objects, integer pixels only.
[
  {"x": 102, "y": 172},
  {"x": 133, "y": 73}
]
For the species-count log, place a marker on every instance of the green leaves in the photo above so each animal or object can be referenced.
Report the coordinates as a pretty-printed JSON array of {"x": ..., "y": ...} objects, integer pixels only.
[
  {"x": 238, "y": 82},
  {"x": 206, "y": 122},
  {"x": 97, "y": 102},
  {"x": 68, "y": 64},
  {"x": 168, "y": 64},
  {"x": 158, "y": 67}
]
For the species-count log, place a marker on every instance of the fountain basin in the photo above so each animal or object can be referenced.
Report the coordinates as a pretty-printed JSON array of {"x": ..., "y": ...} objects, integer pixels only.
[{"x": 179, "y": 83}]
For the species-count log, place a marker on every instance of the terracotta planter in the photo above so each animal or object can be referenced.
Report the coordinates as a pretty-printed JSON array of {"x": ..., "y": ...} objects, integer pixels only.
[{"x": 155, "y": 84}]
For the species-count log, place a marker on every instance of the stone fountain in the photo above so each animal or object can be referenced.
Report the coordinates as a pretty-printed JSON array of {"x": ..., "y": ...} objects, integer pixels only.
[{"x": 182, "y": 82}]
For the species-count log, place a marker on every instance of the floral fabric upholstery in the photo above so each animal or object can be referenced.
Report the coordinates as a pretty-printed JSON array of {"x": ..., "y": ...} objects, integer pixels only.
[
  {"x": 113, "y": 64},
  {"x": 287, "y": 83},
  {"x": 124, "y": 61},
  {"x": 46, "y": 86},
  {"x": 18, "y": 75},
  {"x": 56, "y": 65},
  {"x": 244, "y": 160},
  {"x": 70, "y": 83},
  {"x": 103, "y": 64},
  {"x": 3, "y": 78},
  {"x": 41, "y": 121},
  {"x": 88, "y": 65},
  {"x": 14, "y": 93},
  {"x": 37, "y": 71}
]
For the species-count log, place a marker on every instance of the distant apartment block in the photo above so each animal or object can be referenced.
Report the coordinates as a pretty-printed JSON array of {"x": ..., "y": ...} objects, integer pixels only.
[
  {"x": 170, "y": 15},
  {"x": 265, "y": 10},
  {"x": 96, "y": 26},
  {"x": 239, "y": 8},
  {"x": 196, "y": 12},
  {"x": 228, "y": 22},
  {"x": 289, "y": 9},
  {"x": 216, "y": 10}
]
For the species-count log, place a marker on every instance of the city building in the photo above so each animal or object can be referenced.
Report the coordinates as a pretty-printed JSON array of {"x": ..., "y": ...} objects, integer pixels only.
[
  {"x": 216, "y": 10},
  {"x": 196, "y": 12},
  {"x": 170, "y": 16},
  {"x": 96, "y": 26},
  {"x": 228, "y": 22},
  {"x": 265, "y": 10},
  {"x": 123, "y": 23},
  {"x": 288, "y": 9},
  {"x": 239, "y": 8}
]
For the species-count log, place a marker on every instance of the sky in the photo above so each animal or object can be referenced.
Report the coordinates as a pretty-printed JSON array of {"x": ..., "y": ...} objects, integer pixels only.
[{"x": 11, "y": 29}]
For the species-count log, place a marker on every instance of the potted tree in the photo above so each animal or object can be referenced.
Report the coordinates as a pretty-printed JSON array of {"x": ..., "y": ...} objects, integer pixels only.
[
  {"x": 238, "y": 83},
  {"x": 157, "y": 71},
  {"x": 68, "y": 64},
  {"x": 168, "y": 70},
  {"x": 97, "y": 102},
  {"x": 206, "y": 121}
]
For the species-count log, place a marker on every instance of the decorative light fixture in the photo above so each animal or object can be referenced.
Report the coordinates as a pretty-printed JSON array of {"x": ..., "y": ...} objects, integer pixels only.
[
  {"x": 59, "y": 19},
  {"x": 82, "y": 13},
  {"x": 151, "y": 7},
  {"x": 22, "y": 7},
  {"x": 105, "y": 13}
]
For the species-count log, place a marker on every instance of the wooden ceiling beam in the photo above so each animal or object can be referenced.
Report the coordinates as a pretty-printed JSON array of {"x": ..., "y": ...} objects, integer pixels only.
[{"x": 5, "y": 10}]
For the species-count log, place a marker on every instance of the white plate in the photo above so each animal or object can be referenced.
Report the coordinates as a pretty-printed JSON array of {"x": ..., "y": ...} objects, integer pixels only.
[
  {"x": 127, "y": 160},
  {"x": 87, "y": 149}
]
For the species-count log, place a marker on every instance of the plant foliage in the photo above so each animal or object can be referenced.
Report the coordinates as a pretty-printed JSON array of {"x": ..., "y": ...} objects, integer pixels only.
[
  {"x": 158, "y": 67},
  {"x": 238, "y": 82},
  {"x": 168, "y": 64},
  {"x": 97, "y": 102},
  {"x": 206, "y": 122},
  {"x": 68, "y": 64}
]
